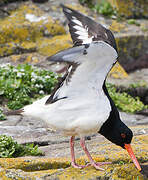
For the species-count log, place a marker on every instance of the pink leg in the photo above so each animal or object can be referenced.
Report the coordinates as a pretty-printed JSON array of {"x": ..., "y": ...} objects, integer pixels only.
[
  {"x": 73, "y": 161},
  {"x": 96, "y": 165}
]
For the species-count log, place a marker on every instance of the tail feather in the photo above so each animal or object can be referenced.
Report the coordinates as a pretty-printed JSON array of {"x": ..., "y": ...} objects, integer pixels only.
[{"x": 14, "y": 112}]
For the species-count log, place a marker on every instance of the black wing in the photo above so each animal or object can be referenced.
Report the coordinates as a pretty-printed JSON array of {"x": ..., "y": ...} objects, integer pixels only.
[{"x": 84, "y": 30}]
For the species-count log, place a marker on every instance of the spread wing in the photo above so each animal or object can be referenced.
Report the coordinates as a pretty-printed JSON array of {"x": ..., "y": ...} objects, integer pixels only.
[{"x": 84, "y": 30}]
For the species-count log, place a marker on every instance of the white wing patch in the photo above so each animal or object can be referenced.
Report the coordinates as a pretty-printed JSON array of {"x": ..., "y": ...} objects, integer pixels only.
[
  {"x": 68, "y": 10},
  {"x": 82, "y": 31},
  {"x": 77, "y": 22}
]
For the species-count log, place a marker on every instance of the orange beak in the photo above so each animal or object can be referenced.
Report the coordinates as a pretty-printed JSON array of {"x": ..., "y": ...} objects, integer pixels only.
[{"x": 130, "y": 152}]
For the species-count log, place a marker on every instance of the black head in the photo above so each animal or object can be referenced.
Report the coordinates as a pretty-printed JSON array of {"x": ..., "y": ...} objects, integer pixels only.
[
  {"x": 113, "y": 128},
  {"x": 116, "y": 131}
]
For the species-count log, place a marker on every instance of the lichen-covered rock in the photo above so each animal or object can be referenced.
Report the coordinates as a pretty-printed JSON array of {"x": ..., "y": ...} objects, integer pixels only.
[
  {"x": 131, "y": 46},
  {"x": 130, "y": 8},
  {"x": 24, "y": 27},
  {"x": 132, "y": 40},
  {"x": 51, "y": 46},
  {"x": 118, "y": 72},
  {"x": 59, "y": 168}
]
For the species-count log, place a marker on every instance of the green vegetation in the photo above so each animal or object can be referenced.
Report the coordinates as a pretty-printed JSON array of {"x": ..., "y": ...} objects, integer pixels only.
[
  {"x": 2, "y": 117},
  {"x": 124, "y": 101},
  {"x": 89, "y": 3},
  {"x": 103, "y": 7},
  {"x": 23, "y": 84},
  {"x": 9, "y": 148},
  {"x": 20, "y": 85},
  {"x": 133, "y": 21},
  {"x": 138, "y": 84}
]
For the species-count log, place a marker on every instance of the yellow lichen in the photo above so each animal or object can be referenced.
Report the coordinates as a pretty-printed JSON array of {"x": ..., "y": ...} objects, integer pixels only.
[
  {"x": 123, "y": 7},
  {"x": 118, "y": 72},
  {"x": 51, "y": 46},
  {"x": 129, "y": 8},
  {"x": 59, "y": 168},
  {"x": 54, "y": 28},
  {"x": 15, "y": 58},
  {"x": 17, "y": 29},
  {"x": 116, "y": 26},
  {"x": 78, "y": 7},
  {"x": 7, "y": 49}
]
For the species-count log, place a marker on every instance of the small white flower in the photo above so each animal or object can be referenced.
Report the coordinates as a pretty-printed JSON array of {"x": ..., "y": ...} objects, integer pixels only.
[
  {"x": 41, "y": 86},
  {"x": 41, "y": 92},
  {"x": 37, "y": 85},
  {"x": 33, "y": 80},
  {"x": 19, "y": 74},
  {"x": 15, "y": 70},
  {"x": 47, "y": 77}
]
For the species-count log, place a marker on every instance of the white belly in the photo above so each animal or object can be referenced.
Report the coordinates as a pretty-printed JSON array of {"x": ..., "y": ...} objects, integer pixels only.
[{"x": 72, "y": 116}]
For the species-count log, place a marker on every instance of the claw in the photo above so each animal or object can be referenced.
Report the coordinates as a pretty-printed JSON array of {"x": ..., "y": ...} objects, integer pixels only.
[
  {"x": 92, "y": 163},
  {"x": 80, "y": 166},
  {"x": 98, "y": 164}
]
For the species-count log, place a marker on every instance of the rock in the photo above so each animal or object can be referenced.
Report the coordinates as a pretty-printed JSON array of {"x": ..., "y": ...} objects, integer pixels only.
[
  {"x": 48, "y": 47},
  {"x": 138, "y": 77},
  {"x": 23, "y": 27},
  {"x": 42, "y": 25},
  {"x": 130, "y": 9},
  {"x": 59, "y": 167},
  {"x": 117, "y": 72},
  {"x": 131, "y": 47}
]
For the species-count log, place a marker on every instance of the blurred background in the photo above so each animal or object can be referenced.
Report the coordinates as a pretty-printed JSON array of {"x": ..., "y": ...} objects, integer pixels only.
[{"x": 31, "y": 31}]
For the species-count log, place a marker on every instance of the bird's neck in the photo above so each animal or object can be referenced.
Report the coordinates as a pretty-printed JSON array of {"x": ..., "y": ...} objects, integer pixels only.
[{"x": 90, "y": 73}]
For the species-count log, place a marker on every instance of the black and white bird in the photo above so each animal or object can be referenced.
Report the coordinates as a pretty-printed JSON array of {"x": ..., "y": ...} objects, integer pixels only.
[{"x": 81, "y": 105}]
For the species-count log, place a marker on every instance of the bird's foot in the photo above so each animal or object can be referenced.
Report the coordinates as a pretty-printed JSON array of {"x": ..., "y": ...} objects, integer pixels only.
[
  {"x": 80, "y": 166},
  {"x": 98, "y": 164},
  {"x": 95, "y": 165}
]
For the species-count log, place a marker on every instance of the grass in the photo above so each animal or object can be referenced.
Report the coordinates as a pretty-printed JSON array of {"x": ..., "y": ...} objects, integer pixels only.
[{"x": 9, "y": 148}]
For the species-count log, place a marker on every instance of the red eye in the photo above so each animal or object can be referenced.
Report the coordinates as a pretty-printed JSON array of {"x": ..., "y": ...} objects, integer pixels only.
[{"x": 123, "y": 135}]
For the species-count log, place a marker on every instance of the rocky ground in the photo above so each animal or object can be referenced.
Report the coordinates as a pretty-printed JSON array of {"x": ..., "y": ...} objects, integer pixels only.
[{"x": 45, "y": 40}]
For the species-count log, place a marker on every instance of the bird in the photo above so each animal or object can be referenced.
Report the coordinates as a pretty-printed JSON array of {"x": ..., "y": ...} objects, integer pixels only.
[{"x": 80, "y": 104}]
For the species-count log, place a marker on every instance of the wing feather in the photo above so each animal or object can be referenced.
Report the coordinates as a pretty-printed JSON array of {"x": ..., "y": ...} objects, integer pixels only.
[{"x": 84, "y": 30}]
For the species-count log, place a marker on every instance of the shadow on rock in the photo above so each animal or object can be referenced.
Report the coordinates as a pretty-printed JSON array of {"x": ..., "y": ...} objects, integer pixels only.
[{"x": 144, "y": 170}]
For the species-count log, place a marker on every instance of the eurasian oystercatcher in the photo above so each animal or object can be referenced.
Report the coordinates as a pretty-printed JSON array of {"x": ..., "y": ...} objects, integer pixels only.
[{"x": 81, "y": 104}]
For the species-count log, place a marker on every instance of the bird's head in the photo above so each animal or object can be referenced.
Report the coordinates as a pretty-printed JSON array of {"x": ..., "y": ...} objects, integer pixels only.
[{"x": 118, "y": 133}]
